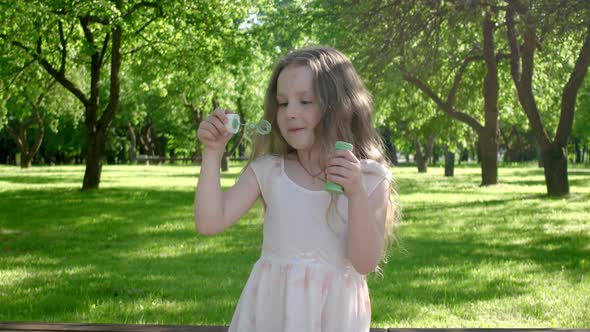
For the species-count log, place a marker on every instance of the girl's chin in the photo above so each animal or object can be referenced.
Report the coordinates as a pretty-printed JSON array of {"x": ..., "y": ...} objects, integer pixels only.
[{"x": 297, "y": 145}]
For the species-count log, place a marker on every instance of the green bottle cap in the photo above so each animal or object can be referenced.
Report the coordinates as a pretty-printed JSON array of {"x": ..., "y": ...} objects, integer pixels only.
[{"x": 341, "y": 145}]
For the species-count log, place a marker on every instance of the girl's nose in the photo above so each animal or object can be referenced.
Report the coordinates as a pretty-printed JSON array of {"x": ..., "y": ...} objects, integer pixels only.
[{"x": 292, "y": 110}]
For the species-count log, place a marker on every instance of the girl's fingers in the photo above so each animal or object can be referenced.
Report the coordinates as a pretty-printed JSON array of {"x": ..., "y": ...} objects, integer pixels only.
[
  {"x": 205, "y": 134},
  {"x": 340, "y": 162},
  {"x": 339, "y": 171},
  {"x": 208, "y": 128},
  {"x": 336, "y": 179},
  {"x": 220, "y": 114},
  {"x": 348, "y": 155},
  {"x": 213, "y": 127},
  {"x": 218, "y": 124}
]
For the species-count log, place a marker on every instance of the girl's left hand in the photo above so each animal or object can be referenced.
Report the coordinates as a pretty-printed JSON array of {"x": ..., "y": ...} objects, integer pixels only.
[{"x": 345, "y": 169}]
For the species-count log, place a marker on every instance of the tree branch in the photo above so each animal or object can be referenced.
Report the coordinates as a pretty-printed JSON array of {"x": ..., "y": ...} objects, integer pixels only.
[
  {"x": 62, "y": 41},
  {"x": 570, "y": 92},
  {"x": 514, "y": 51},
  {"x": 8, "y": 86},
  {"x": 135, "y": 49},
  {"x": 143, "y": 4},
  {"x": 459, "y": 75},
  {"x": 105, "y": 44},
  {"x": 185, "y": 101},
  {"x": 39, "y": 44},
  {"x": 44, "y": 93},
  {"x": 40, "y": 132},
  {"x": 87, "y": 32},
  {"x": 96, "y": 19},
  {"x": 115, "y": 83},
  {"x": 446, "y": 108},
  {"x": 14, "y": 136},
  {"x": 525, "y": 86},
  {"x": 146, "y": 25},
  {"x": 60, "y": 77}
]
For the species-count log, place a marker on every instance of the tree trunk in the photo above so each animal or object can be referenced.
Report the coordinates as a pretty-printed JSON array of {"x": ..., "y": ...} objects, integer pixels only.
[
  {"x": 225, "y": 162},
  {"x": 421, "y": 163},
  {"x": 419, "y": 156},
  {"x": 435, "y": 156},
  {"x": 94, "y": 153},
  {"x": 132, "y": 145},
  {"x": 26, "y": 161},
  {"x": 556, "y": 178},
  {"x": 540, "y": 157},
  {"x": 393, "y": 154},
  {"x": 21, "y": 139},
  {"x": 577, "y": 151},
  {"x": 488, "y": 154},
  {"x": 489, "y": 135},
  {"x": 449, "y": 162},
  {"x": 464, "y": 155},
  {"x": 146, "y": 140},
  {"x": 96, "y": 131}
]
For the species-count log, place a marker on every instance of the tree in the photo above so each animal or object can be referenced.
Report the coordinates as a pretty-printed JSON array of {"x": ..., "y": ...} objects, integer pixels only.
[
  {"x": 54, "y": 34},
  {"x": 215, "y": 62},
  {"x": 20, "y": 136},
  {"x": 433, "y": 45},
  {"x": 538, "y": 24},
  {"x": 24, "y": 94}
]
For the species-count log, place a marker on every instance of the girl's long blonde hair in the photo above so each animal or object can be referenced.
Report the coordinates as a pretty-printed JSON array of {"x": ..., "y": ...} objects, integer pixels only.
[{"x": 347, "y": 114}]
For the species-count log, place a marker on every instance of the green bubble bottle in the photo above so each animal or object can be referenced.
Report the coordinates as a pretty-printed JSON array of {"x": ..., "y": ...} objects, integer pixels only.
[{"x": 332, "y": 187}]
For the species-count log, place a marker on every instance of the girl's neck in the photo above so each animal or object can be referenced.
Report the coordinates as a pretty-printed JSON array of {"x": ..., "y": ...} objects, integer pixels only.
[
  {"x": 309, "y": 158},
  {"x": 310, "y": 162}
]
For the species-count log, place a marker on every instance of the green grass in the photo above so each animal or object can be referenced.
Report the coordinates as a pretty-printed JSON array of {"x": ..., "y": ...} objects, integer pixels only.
[{"x": 469, "y": 256}]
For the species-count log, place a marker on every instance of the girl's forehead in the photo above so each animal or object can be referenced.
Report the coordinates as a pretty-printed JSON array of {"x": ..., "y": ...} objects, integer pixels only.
[
  {"x": 296, "y": 71},
  {"x": 295, "y": 80}
]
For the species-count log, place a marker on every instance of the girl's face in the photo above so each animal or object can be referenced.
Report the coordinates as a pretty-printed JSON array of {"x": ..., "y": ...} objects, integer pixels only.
[{"x": 298, "y": 113}]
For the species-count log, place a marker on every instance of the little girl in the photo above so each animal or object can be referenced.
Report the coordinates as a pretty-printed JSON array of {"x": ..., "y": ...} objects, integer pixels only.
[{"x": 318, "y": 247}]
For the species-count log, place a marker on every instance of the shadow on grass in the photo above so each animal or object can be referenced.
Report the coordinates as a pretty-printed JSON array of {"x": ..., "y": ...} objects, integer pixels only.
[
  {"x": 455, "y": 272},
  {"x": 119, "y": 248}
]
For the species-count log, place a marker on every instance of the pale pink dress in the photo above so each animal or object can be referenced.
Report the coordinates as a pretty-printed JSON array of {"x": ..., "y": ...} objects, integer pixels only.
[{"x": 303, "y": 280}]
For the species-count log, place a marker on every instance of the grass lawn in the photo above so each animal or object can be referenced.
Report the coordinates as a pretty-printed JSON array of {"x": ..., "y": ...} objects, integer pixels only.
[{"x": 469, "y": 256}]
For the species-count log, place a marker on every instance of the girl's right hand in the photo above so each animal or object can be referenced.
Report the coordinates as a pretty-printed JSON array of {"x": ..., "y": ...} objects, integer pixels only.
[{"x": 212, "y": 132}]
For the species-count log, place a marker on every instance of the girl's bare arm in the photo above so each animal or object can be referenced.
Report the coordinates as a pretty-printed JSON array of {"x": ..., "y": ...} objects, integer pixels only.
[{"x": 216, "y": 210}]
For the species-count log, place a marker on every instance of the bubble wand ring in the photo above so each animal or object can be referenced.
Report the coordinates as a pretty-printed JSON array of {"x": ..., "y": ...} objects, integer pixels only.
[{"x": 262, "y": 127}]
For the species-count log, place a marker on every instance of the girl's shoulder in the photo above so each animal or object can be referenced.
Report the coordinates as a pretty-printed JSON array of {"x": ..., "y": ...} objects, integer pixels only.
[
  {"x": 371, "y": 167},
  {"x": 266, "y": 169},
  {"x": 266, "y": 163},
  {"x": 267, "y": 159},
  {"x": 373, "y": 173}
]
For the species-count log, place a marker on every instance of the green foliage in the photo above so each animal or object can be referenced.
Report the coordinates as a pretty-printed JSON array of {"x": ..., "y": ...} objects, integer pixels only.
[
  {"x": 581, "y": 126},
  {"x": 428, "y": 39},
  {"x": 221, "y": 53}
]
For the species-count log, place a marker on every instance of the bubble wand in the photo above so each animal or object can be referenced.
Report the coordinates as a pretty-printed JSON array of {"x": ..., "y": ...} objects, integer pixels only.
[{"x": 262, "y": 127}]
